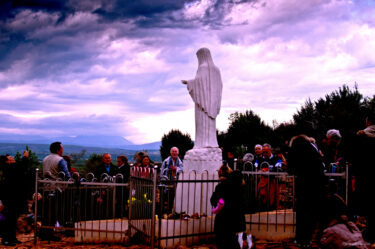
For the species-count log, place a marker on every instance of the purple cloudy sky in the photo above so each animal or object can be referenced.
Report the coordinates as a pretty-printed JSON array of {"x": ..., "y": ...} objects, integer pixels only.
[{"x": 84, "y": 67}]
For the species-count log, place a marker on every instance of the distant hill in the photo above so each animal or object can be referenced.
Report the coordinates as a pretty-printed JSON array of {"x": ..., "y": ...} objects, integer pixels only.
[
  {"x": 42, "y": 150},
  {"x": 96, "y": 141},
  {"x": 101, "y": 141},
  {"x": 150, "y": 146}
]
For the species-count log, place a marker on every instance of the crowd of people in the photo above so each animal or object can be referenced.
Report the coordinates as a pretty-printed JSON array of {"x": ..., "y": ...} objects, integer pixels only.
[
  {"x": 57, "y": 166},
  {"x": 305, "y": 158},
  {"x": 319, "y": 206}
]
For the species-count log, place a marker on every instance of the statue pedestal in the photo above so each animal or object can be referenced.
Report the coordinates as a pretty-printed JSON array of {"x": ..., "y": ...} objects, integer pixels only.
[
  {"x": 200, "y": 168},
  {"x": 203, "y": 159}
]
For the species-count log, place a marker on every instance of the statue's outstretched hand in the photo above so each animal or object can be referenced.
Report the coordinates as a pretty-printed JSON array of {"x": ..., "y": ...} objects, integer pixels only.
[{"x": 184, "y": 82}]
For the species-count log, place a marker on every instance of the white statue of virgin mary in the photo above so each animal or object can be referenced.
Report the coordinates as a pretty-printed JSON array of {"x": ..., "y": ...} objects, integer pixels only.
[{"x": 205, "y": 90}]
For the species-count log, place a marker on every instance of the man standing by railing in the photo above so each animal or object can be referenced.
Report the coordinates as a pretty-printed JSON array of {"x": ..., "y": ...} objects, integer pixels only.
[
  {"x": 170, "y": 169},
  {"x": 122, "y": 193},
  {"x": 54, "y": 163},
  {"x": 105, "y": 168},
  {"x": 172, "y": 164}
]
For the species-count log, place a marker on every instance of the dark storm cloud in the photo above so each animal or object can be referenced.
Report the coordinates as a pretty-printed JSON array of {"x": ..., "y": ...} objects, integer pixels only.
[
  {"x": 145, "y": 13},
  {"x": 109, "y": 9},
  {"x": 64, "y": 64},
  {"x": 130, "y": 9},
  {"x": 39, "y": 34},
  {"x": 9, "y": 8}
]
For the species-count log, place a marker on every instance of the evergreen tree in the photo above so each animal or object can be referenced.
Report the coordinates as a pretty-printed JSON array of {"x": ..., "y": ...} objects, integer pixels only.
[
  {"x": 175, "y": 138},
  {"x": 343, "y": 109},
  {"x": 305, "y": 119}
]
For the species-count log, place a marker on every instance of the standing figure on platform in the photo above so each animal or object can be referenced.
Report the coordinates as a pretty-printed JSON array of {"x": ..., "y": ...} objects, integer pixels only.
[
  {"x": 228, "y": 203},
  {"x": 206, "y": 91},
  {"x": 123, "y": 168},
  {"x": 305, "y": 162},
  {"x": 172, "y": 165},
  {"x": 170, "y": 169}
]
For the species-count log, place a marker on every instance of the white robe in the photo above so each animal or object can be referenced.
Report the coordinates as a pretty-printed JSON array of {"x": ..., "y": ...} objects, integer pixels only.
[{"x": 206, "y": 91}]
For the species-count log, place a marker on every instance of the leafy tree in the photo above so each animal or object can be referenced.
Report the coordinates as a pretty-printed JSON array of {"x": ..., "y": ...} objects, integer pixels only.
[
  {"x": 283, "y": 133},
  {"x": 221, "y": 136},
  {"x": 77, "y": 156},
  {"x": 369, "y": 106},
  {"x": 246, "y": 130},
  {"x": 92, "y": 163},
  {"x": 305, "y": 119},
  {"x": 342, "y": 109},
  {"x": 175, "y": 138}
]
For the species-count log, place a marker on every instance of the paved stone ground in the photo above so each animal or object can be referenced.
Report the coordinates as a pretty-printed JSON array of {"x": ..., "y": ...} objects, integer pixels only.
[{"x": 28, "y": 242}]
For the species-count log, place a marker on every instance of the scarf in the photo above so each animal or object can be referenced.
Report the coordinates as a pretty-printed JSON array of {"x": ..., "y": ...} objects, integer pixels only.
[{"x": 170, "y": 162}]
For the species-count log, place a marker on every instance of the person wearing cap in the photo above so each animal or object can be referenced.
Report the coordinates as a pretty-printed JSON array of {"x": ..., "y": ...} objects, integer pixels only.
[{"x": 332, "y": 152}]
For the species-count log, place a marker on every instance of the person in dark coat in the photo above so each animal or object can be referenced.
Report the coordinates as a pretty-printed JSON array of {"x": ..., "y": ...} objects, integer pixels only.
[
  {"x": 122, "y": 192},
  {"x": 13, "y": 195},
  {"x": 333, "y": 151},
  {"x": 123, "y": 168},
  {"x": 106, "y": 167},
  {"x": 102, "y": 210},
  {"x": 305, "y": 162},
  {"x": 364, "y": 170},
  {"x": 230, "y": 220}
]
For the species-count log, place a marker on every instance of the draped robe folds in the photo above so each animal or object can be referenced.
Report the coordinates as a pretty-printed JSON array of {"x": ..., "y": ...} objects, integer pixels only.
[{"x": 206, "y": 90}]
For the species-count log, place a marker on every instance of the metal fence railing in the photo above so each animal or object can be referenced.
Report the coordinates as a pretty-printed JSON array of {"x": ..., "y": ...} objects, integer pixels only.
[
  {"x": 142, "y": 205},
  {"x": 161, "y": 211},
  {"x": 185, "y": 209},
  {"x": 81, "y": 209}
]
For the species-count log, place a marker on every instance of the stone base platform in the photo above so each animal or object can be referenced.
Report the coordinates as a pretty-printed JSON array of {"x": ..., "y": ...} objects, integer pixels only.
[{"x": 271, "y": 226}]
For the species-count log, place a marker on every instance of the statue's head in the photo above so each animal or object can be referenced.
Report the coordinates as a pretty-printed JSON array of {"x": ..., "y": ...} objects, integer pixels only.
[{"x": 204, "y": 55}]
